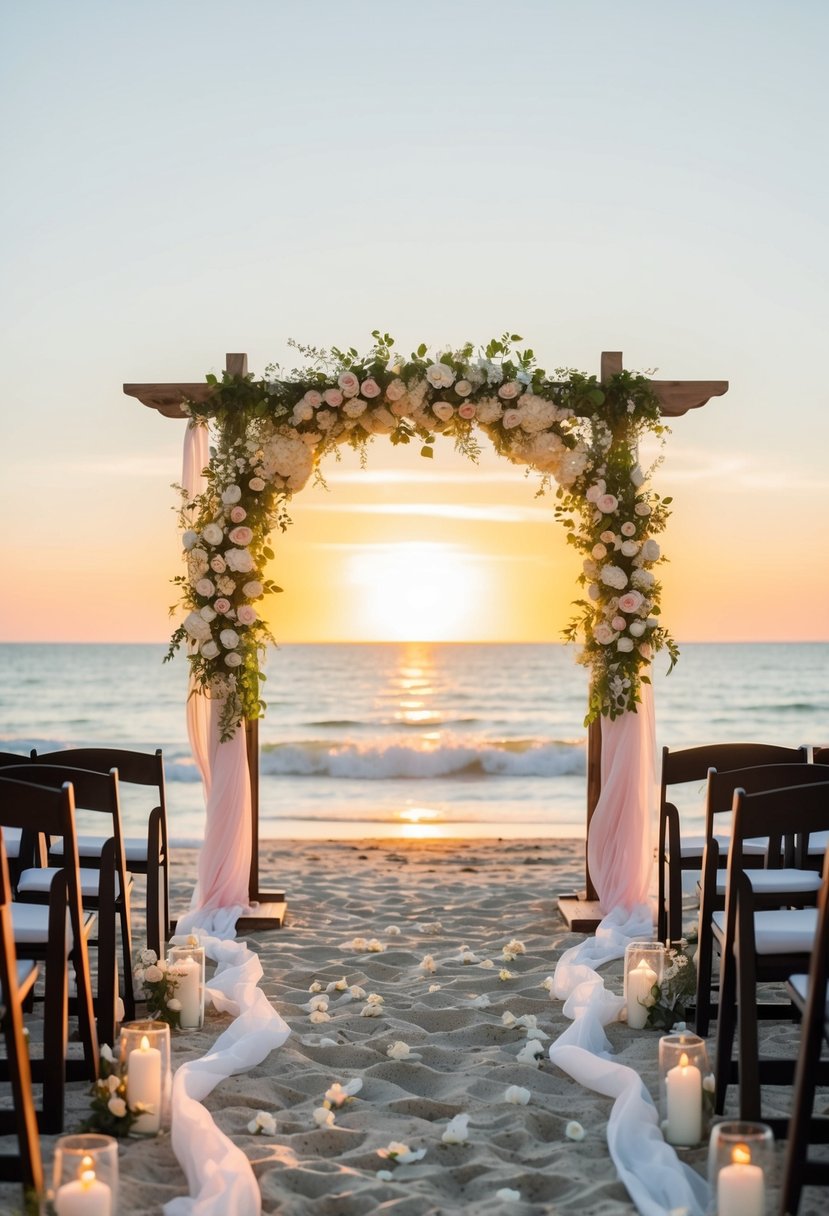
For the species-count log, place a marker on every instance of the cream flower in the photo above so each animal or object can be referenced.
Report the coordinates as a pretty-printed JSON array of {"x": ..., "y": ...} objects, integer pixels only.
[
  {"x": 574, "y": 1130},
  {"x": 315, "y": 987},
  {"x": 117, "y": 1107},
  {"x": 650, "y": 551},
  {"x": 505, "y": 974},
  {"x": 375, "y": 947},
  {"x": 457, "y": 1130},
  {"x": 614, "y": 576},
  {"x": 428, "y": 965},
  {"x": 323, "y": 1117},
  {"x": 319, "y": 1016},
  {"x": 434, "y": 988},
  {"x": 399, "y": 1051},
  {"x": 443, "y": 410},
  {"x": 337, "y": 1094},
  {"x": 400, "y": 1152},
  {"x": 440, "y": 375},
  {"x": 339, "y": 985},
  {"x": 263, "y": 1124},
  {"x": 357, "y": 992},
  {"x": 517, "y": 1095}
]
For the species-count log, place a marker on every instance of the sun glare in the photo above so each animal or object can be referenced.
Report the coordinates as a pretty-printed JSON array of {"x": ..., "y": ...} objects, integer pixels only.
[{"x": 418, "y": 591}]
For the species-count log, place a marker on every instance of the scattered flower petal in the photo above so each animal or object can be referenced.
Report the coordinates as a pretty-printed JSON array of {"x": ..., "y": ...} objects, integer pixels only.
[
  {"x": 384, "y": 1175},
  {"x": 338, "y": 1094},
  {"x": 504, "y": 974},
  {"x": 318, "y": 1016},
  {"x": 263, "y": 1124},
  {"x": 337, "y": 985},
  {"x": 507, "y": 1195},
  {"x": 574, "y": 1130},
  {"x": 375, "y": 947},
  {"x": 323, "y": 1117},
  {"x": 549, "y": 984},
  {"x": 517, "y": 1095},
  {"x": 375, "y": 999},
  {"x": 393, "y": 930},
  {"x": 328, "y": 1042},
  {"x": 536, "y": 1035},
  {"x": 357, "y": 992},
  {"x": 428, "y": 965},
  {"x": 481, "y": 1002},
  {"x": 371, "y": 1011},
  {"x": 508, "y": 1019},
  {"x": 457, "y": 1130},
  {"x": 433, "y": 926},
  {"x": 315, "y": 987},
  {"x": 488, "y": 964},
  {"x": 530, "y": 1053},
  {"x": 434, "y": 987},
  {"x": 399, "y": 1051},
  {"x": 399, "y": 1152}
]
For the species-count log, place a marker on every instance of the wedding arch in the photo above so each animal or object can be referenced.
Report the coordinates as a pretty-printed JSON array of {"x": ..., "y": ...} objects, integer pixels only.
[{"x": 581, "y": 435}]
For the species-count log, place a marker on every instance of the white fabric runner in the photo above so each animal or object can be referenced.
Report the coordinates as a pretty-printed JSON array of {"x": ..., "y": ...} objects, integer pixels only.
[
  {"x": 219, "y": 1175},
  {"x": 656, "y": 1180}
]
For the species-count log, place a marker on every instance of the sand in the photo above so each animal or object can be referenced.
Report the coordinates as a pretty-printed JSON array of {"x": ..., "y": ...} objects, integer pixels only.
[{"x": 416, "y": 898}]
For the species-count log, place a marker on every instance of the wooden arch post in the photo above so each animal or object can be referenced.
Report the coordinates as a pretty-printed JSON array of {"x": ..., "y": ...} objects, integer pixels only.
[{"x": 581, "y": 911}]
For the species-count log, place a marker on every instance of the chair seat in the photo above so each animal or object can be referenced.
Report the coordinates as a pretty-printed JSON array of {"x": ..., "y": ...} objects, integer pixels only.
[
  {"x": 788, "y": 931},
  {"x": 769, "y": 882},
  {"x": 11, "y": 839},
  {"x": 799, "y": 985},
  {"x": 135, "y": 849},
  {"x": 31, "y": 925},
  {"x": 38, "y": 881}
]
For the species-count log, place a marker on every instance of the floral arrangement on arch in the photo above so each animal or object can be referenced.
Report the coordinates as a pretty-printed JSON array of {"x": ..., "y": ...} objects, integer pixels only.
[{"x": 269, "y": 436}]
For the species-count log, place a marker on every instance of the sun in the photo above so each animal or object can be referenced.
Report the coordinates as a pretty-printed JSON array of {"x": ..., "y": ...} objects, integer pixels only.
[{"x": 419, "y": 591}]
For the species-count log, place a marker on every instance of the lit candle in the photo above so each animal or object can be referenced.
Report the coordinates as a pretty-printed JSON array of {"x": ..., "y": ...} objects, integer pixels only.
[
  {"x": 684, "y": 1101},
  {"x": 87, "y": 1196},
  {"x": 640, "y": 981},
  {"x": 741, "y": 1187},
  {"x": 188, "y": 991},
  {"x": 144, "y": 1086}
]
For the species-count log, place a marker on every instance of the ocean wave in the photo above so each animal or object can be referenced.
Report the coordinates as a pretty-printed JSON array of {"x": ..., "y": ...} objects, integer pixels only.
[{"x": 494, "y": 758}]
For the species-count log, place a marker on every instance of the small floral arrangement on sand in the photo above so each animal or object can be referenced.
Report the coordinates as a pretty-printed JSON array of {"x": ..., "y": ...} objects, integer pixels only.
[
  {"x": 668, "y": 1001},
  {"x": 110, "y": 1113},
  {"x": 159, "y": 980}
]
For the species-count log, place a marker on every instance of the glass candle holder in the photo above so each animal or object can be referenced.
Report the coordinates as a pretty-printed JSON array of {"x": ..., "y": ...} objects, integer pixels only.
[
  {"x": 186, "y": 965},
  {"x": 686, "y": 1088},
  {"x": 145, "y": 1058},
  {"x": 644, "y": 967},
  {"x": 84, "y": 1176},
  {"x": 740, "y": 1157}
]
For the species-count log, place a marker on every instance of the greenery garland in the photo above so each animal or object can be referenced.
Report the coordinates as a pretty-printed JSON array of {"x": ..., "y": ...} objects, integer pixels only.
[{"x": 270, "y": 435}]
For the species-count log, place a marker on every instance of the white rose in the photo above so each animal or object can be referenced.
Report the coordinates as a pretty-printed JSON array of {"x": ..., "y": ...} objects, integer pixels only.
[
  {"x": 205, "y": 587},
  {"x": 637, "y": 628},
  {"x": 230, "y": 495},
  {"x": 349, "y": 383},
  {"x": 256, "y": 484},
  {"x": 443, "y": 410},
  {"x": 174, "y": 1005},
  {"x": 189, "y": 538},
  {"x": 463, "y": 388},
  {"x": 117, "y": 1107},
  {"x": 233, "y": 659},
  {"x": 509, "y": 391},
  {"x": 642, "y": 509},
  {"x": 153, "y": 974},
  {"x": 197, "y": 627},
  {"x": 253, "y": 590},
  {"x": 239, "y": 560},
  {"x": 213, "y": 534},
  {"x": 396, "y": 391},
  {"x": 650, "y": 551},
  {"x": 637, "y": 477},
  {"x": 599, "y": 551},
  {"x": 207, "y": 614},
  {"x": 614, "y": 576},
  {"x": 625, "y": 645},
  {"x": 630, "y": 548},
  {"x": 440, "y": 375},
  {"x": 229, "y": 638},
  {"x": 209, "y": 650},
  {"x": 603, "y": 634}
]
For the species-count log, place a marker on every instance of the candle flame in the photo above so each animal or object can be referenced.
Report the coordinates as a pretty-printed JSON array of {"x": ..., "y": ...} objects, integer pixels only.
[
  {"x": 683, "y": 1061},
  {"x": 145, "y": 1043},
  {"x": 741, "y": 1154},
  {"x": 86, "y": 1172}
]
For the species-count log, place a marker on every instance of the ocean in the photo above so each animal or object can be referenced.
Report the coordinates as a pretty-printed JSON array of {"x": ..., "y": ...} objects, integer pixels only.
[{"x": 407, "y": 739}]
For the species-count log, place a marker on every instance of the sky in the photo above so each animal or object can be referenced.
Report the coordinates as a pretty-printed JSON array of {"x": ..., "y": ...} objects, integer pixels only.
[{"x": 183, "y": 180}]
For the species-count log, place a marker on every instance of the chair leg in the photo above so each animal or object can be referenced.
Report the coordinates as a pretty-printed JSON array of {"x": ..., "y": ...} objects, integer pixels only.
[
  {"x": 704, "y": 961},
  {"x": 726, "y": 1020},
  {"x": 805, "y": 1082},
  {"x": 154, "y": 911},
  {"x": 748, "y": 1038},
  {"x": 126, "y": 954},
  {"x": 661, "y": 910},
  {"x": 55, "y": 1024},
  {"x": 675, "y": 904}
]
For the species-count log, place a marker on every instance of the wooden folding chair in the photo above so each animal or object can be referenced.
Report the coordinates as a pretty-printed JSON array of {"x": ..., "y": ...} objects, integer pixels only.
[
  {"x": 810, "y": 995},
  {"x": 149, "y": 856},
  {"x": 761, "y": 945},
  {"x": 766, "y": 883},
  {"x": 42, "y": 933},
  {"x": 16, "y": 983},
  {"x": 12, "y": 834},
  {"x": 105, "y": 889},
  {"x": 677, "y": 853}
]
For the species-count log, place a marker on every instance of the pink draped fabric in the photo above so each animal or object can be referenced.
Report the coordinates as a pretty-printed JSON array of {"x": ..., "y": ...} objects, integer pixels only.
[
  {"x": 620, "y": 843},
  {"x": 224, "y": 860}
]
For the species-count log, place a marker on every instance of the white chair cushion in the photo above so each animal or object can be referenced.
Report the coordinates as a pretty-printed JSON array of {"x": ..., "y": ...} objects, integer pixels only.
[
  {"x": 30, "y": 923},
  {"x": 38, "y": 881},
  {"x": 818, "y": 843},
  {"x": 788, "y": 931},
  {"x": 135, "y": 849},
  {"x": 694, "y": 846},
  {"x": 769, "y": 882},
  {"x": 800, "y": 983},
  {"x": 11, "y": 839}
]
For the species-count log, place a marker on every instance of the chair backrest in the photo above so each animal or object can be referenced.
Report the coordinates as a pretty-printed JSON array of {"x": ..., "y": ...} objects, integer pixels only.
[
  {"x": 820, "y": 755},
  {"x": 755, "y": 780},
  {"x": 799, "y": 810},
  {"x": 134, "y": 768},
  {"x": 693, "y": 763},
  {"x": 7, "y": 758},
  {"x": 31, "y": 1166}
]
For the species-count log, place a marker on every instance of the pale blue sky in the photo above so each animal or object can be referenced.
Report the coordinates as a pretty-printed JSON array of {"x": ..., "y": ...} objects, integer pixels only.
[{"x": 187, "y": 178}]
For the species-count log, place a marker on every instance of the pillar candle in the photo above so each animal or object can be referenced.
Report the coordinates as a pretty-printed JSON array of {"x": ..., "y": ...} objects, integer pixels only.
[
  {"x": 86, "y": 1196},
  {"x": 684, "y": 1102},
  {"x": 144, "y": 1085},
  {"x": 188, "y": 991},
  {"x": 640, "y": 981},
  {"x": 741, "y": 1187}
]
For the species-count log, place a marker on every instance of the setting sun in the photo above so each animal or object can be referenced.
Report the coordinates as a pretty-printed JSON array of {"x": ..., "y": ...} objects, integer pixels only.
[{"x": 418, "y": 591}]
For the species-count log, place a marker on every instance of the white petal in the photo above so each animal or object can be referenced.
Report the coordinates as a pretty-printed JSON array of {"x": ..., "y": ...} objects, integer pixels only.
[
  {"x": 574, "y": 1130},
  {"x": 507, "y": 1195}
]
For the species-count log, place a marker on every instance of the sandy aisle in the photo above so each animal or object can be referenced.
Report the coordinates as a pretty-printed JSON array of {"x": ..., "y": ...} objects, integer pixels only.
[{"x": 417, "y": 899}]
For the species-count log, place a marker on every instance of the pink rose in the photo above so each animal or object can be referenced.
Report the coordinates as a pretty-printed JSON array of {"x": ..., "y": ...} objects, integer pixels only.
[
  {"x": 607, "y": 503},
  {"x": 593, "y": 493},
  {"x": 218, "y": 564},
  {"x": 466, "y": 411},
  {"x": 511, "y": 419},
  {"x": 349, "y": 383},
  {"x": 463, "y": 388},
  {"x": 608, "y": 537},
  {"x": 241, "y": 536},
  {"x": 313, "y": 398},
  {"x": 619, "y": 622},
  {"x": 222, "y": 606},
  {"x": 443, "y": 410},
  {"x": 256, "y": 484},
  {"x": 510, "y": 390},
  {"x": 238, "y": 514},
  {"x": 631, "y": 601},
  {"x": 246, "y": 615},
  {"x": 204, "y": 587},
  {"x": 333, "y": 397},
  {"x": 396, "y": 391},
  {"x": 370, "y": 388}
]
